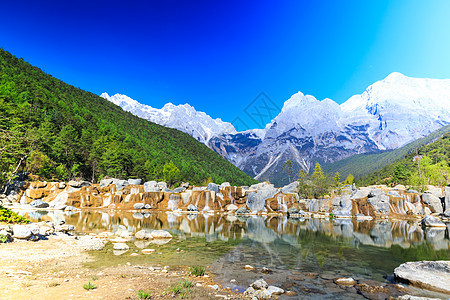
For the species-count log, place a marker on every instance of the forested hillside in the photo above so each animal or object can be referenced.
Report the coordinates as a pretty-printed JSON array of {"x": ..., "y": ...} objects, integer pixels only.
[
  {"x": 428, "y": 164},
  {"x": 60, "y": 132},
  {"x": 364, "y": 164}
]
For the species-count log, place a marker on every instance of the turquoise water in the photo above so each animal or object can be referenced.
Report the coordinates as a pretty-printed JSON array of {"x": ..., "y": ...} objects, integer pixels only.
[{"x": 305, "y": 255}]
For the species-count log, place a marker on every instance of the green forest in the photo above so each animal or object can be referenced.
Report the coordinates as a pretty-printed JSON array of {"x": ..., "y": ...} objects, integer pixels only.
[
  {"x": 59, "y": 132},
  {"x": 426, "y": 165}
]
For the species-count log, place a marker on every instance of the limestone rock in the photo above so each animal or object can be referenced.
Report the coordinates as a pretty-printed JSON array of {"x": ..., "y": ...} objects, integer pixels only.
[
  {"x": 139, "y": 206},
  {"x": 120, "y": 246},
  {"x": 192, "y": 207},
  {"x": 64, "y": 228},
  {"x": 433, "y": 202},
  {"x": 78, "y": 184},
  {"x": 21, "y": 231},
  {"x": 143, "y": 235},
  {"x": 432, "y": 275},
  {"x": 161, "y": 234},
  {"x": 213, "y": 187},
  {"x": 360, "y": 193},
  {"x": 430, "y": 221},
  {"x": 262, "y": 294},
  {"x": 105, "y": 182},
  {"x": 291, "y": 188},
  {"x": 151, "y": 186},
  {"x": 273, "y": 290},
  {"x": 259, "y": 284},
  {"x": 231, "y": 207},
  {"x": 345, "y": 281},
  {"x": 134, "y": 181},
  {"x": 242, "y": 211},
  {"x": 39, "y": 204}
]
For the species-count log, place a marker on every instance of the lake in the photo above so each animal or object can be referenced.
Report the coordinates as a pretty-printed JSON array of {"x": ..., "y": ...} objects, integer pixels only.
[{"x": 304, "y": 255}]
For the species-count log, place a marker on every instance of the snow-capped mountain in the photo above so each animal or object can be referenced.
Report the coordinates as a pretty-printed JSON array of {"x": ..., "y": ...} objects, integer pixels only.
[
  {"x": 389, "y": 114},
  {"x": 182, "y": 117}
]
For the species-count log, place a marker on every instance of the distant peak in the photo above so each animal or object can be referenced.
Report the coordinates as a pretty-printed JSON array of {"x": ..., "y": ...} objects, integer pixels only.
[{"x": 395, "y": 76}]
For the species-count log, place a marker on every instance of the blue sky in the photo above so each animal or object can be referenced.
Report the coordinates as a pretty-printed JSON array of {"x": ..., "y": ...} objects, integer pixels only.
[{"x": 219, "y": 55}]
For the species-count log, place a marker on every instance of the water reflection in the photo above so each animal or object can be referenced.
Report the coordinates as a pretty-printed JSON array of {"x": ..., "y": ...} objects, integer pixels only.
[{"x": 364, "y": 250}]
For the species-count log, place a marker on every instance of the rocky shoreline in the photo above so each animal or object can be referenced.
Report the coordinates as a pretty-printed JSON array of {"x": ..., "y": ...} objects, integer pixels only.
[{"x": 263, "y": 198}]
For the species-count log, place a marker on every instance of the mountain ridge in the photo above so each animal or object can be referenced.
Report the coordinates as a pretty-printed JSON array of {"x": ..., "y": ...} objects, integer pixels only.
[{"x": 389, "y": 114}]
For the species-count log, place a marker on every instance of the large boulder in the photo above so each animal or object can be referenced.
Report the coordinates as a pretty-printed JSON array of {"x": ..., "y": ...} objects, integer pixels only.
[
  {"x": 60, "y": 200},
  {"x": 151, "y": 186},
  {"x": 291, "y": 188},
  {"x": 212, "y": 187},
  {"x": 380, "y": 203},
  {"x": 139, "y": 206},
  {"x": 21, "y": 231},
  {"x": 134, "y": 181},
  {"x": 120, "y": 184},
  {"x": 257, "y": 200},
  {"x": 78, "y": 184},
  {"x": 39, "y": 204},
  {"x": 433, "y": 202},
  {"x": 430, "y": 221},
  {"x": 360, "y": 193},
  {"x": 432, "y": 275},
  {"x": 106, "y": 182},
  {"x": 161, "y": 234},
  {"x": 447, "y": 200}
]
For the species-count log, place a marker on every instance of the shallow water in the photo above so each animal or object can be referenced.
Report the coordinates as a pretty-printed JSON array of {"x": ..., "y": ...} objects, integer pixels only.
[{"x": 367, "y": 251}]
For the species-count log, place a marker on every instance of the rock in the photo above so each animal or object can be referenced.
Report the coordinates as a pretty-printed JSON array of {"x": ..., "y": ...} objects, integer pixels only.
[
  {"x": 242, "y": 211},
  {"x": 433, "y": 202},
  {"x": 412, "y": 191},
  {"x": 161, "y": 234},
  {"x": 291, "y": 293},
  {"x": 148, "y": 251},
  {"x": 61, "y": 199},
  {"x": 78, "y": 184},
  {"x": 6, "y": 235},
  {"x": 360, "y": 193},
  {"x": 192, "y": 207},
  {"x": 263, "y": 294},
  {"x": 293, "y": 210},
  {"x": 257, "y": 200},
  {"x": 120, "y": 184},
  {"x": 122, "y": 231},
  {"x": 70, "y": 208},
  {"x": 147, "y": 206},
  {"x": 185, "y": 185},
  {"x": 64, "y": 228},
  {"x": 399, "y": 187},
  {"x": 134, "y": 181},
  {"x": 345, "y": 281},
  {"x": 46, "y": 230},
  {"x": 59, "y": 207},
  {"x": 447, "y": 200},
  {"x": 431, "y": 275},
  {"x": 435, "y": 191},
  {"x": 34, "y": 229},
  {"x": 430, "y": 221},
  {"x": 39, "y": 204},
  {"x": 375, "y": 193},
  {"x": 167, "y": 190},
  {"x": 105, "y": 182},
  {"x": 21, "y": 231},
  {"x": 394, "y": 194},
  {"x": 179, "y": 190},
  {"x": 212, "y": 187},
  {"x": 259, "y": 284},
  {"x": 231, "y": 207},
  {"x": 224, "y": 185},
  {"x": 120, "y": 246},
  {"x": 139, "y": 206},
  {"x": 409, "y": 297},
  {"x": 291, "y": 188},
  {"x": 249, "y": 268},
  {"x": 266, "y": 270},
  {"x": 214, "y": 287},
  {"x": 143, "y": 235},
  {"x": 151, "y": 186},
  {"x": 380, "y": 203},
  {"x": 273, "y": 290},
  {"x": 162, "y": 185}
]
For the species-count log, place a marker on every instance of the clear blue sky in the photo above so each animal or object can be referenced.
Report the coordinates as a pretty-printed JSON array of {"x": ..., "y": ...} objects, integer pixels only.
[{"x": 219, "y": 55}]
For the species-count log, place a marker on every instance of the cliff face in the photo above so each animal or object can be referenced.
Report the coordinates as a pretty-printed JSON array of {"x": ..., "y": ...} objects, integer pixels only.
[{"x": 366, "y": 202}]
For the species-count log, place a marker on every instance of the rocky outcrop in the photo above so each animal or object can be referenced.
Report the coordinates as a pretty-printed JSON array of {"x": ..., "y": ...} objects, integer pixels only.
[{"x": 431, "y": 275}]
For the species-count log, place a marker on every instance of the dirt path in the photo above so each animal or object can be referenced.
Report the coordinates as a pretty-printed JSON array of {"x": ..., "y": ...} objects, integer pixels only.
[{"x": 54, "y": 269}]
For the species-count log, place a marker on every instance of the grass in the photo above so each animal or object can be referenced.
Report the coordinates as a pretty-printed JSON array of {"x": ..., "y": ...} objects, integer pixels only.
[
  {"x": 89, "y": 286},
  {"x": 8, "y": 216},
  {"x": 143, "y": 295},
  {"x": 182, "y": 288},
  {"x": 197, "y": 270},
  {"x": 3, "y": 239}
]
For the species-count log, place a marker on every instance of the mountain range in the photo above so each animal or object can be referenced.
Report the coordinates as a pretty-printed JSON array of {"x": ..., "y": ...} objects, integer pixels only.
[{"x": 387, "y": 115}]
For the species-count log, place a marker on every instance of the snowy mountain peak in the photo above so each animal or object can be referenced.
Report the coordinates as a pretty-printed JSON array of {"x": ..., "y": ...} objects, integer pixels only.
[{"x": 183, "y": 117}]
